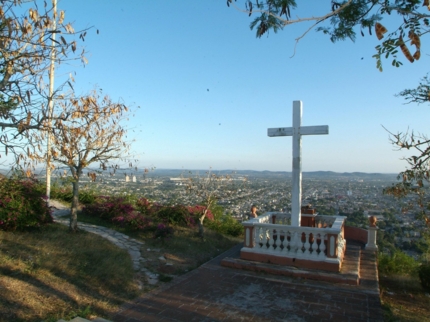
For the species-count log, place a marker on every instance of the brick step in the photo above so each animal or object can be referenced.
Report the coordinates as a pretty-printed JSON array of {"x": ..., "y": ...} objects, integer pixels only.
[{"x": 349, "y": 274}]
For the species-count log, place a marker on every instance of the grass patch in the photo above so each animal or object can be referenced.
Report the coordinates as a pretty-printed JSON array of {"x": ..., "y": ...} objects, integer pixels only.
[
  {"x": 50, "y": 274},
  {"x": 182, "y": 252},
  {"x": 404, "y": 299}
]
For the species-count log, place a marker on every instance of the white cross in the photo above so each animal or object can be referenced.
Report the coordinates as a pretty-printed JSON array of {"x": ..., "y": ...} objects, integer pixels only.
[{"x": 296, "y": 132}]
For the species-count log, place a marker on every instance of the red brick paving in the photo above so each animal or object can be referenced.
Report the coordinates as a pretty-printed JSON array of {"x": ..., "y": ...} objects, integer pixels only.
[{"x": 215, "y": 293}]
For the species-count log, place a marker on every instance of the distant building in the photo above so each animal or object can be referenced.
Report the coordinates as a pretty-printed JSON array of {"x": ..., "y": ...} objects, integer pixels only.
[
  {"x": 134, "y": 179},
  {"x": 127, "y": 179}
]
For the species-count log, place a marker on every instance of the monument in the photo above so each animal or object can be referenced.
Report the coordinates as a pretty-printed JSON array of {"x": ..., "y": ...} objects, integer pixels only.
[
  {"x": 296, "y": 132},
  {"x": 308, "y": 241}
]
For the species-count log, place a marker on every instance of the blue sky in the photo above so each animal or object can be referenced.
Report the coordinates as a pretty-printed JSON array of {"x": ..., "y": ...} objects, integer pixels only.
[{"x": 208, "y": 89}]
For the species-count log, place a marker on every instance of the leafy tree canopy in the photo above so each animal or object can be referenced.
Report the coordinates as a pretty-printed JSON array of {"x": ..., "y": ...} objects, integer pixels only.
[{"x": 344, "y": 19}]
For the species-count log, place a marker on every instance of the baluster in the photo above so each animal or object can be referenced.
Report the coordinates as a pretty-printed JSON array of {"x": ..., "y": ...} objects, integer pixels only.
[
  {"x": 270, "y": 242},
  {"x": 287, "y": 242},
  {"x": 257, "y": 237},
  {"x": 317, "y": 247},
  {"x": 306, "y": 244},
  {"x": 322, "y": 247},
  {"x": 281, "y": 239},
  {"x": 276, "y": 242},
  {"x": 295, "y": 242},
  {"x": 312, "y": 243}
]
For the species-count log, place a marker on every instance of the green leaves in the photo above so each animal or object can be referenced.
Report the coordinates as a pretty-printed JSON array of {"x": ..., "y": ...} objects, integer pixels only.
[
  {"x": 420, "y": 94},
  {"x": 343, "y": 19},
  {"x": 273, "y": 14}
]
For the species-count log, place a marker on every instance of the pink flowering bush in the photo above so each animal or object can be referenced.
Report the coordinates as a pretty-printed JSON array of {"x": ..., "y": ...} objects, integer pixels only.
[
  {"x": 22, "y": 205},
  {"x": 144, "y": 206},
  {"x": 109, "y": 207},
  {"x": 118, "y": 211},
  {"x": 197, "y": 211},
  {"x": 141, "y": 214},
  {"x": 134, "y": 221}
]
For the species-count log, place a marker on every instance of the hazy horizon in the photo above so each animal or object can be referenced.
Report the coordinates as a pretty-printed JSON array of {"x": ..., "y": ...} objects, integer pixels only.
[{"x": 208, "y": 89}]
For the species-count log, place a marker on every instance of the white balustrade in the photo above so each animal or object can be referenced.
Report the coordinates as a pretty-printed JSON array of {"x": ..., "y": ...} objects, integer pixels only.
[{"x": 325, "y": 243}]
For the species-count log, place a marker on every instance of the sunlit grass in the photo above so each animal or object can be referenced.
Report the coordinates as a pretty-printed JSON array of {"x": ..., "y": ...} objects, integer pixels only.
[
  {"x": 404, "y": 299},
  {"x": 185, "y": 249},
  {"x": 51, "y": 274}
]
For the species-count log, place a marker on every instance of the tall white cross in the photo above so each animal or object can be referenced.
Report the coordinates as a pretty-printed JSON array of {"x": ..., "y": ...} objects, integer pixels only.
[{"x": 296, "y": 132}]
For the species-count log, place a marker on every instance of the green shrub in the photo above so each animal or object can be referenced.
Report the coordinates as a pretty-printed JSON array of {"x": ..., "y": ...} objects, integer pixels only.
[
  {"x": 163, "y": 232},
  {"x": 424, "y": 275},
  {"x": 397, "y": 264},
  {"x": 65, "y": 193},
  {"x": 87, "y": 196},
  {"x": 22, "y": 205},
  {"x": 226, "y": 225},
  {"x": 173, "y": 215},
  {"x": 61, "y": 193}
]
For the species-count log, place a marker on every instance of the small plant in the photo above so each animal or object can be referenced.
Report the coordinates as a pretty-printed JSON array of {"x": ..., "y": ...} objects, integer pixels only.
[
  {"x": 163, "y": 232},
  {"x": 164, "y": 278},
  {"x": 424, "y": 275},
  {"x": 226, "y": 225},
  {"x": 397, "y": 264}
]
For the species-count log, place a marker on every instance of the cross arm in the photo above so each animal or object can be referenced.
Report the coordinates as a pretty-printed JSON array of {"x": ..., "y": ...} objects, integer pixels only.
[
  {"x": 303, "y": 130},
  {"x": 313, "y": 130},
  {"x": 282, "y": 131}
]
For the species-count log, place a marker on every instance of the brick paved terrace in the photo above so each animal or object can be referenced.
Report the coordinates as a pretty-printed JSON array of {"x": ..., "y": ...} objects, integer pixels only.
[{"x": 214, "y": 292}]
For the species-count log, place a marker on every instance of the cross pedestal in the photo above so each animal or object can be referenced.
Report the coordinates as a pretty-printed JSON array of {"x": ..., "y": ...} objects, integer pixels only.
[{"x": 296, "y": 131}]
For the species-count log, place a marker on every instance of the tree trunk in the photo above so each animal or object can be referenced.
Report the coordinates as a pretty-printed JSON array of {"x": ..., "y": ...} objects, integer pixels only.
[
  {"x": 201, "y": 228},
  {"x": 74, "y": 210}
]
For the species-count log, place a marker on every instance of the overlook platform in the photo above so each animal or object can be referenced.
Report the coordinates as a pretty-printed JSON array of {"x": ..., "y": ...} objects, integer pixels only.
[
  {"x": 317, "y": 243},
  {"x": 217, "y": 293}
]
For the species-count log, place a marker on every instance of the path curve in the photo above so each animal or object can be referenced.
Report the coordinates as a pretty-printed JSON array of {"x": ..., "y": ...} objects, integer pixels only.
[{"x": 133, "y": 246}]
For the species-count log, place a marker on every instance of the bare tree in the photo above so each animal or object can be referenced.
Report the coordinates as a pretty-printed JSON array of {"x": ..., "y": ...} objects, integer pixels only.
[
  {"x": 86, "y": 130},
  {"x": 25, "y": 51},
  {"x": 209, "y": 189}
]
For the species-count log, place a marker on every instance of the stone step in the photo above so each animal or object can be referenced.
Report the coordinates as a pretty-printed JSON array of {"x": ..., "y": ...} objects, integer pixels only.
[
  {"x": 349, "y": 274},
  {"x": 79, "y": 319}
]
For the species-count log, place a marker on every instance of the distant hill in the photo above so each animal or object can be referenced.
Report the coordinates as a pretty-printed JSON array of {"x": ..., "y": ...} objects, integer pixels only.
[
  {"x": 331, "y": 174},
  {"x": 280, "y": 174},
  {"x": 256, "y": 174}
]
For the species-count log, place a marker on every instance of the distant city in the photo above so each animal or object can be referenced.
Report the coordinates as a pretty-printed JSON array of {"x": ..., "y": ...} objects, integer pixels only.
[{"x": 355, "y": 195}]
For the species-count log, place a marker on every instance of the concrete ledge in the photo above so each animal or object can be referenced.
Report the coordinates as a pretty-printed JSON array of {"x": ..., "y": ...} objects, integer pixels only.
[
  {"x": 287, "y": 261},
  {"x": 350, "y": 279}
]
